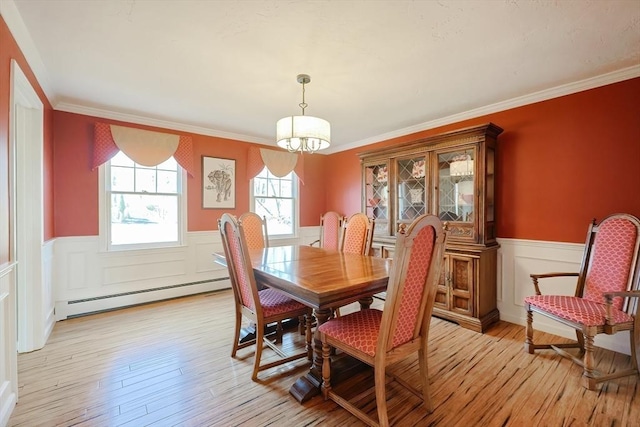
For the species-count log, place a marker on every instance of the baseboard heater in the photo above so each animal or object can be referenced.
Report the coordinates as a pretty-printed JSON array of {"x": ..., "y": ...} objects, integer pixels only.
[{"x": 142, "y": 291}]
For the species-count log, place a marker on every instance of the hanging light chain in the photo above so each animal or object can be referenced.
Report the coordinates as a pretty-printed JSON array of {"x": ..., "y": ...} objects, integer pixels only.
[{"x": 303, "y": 80}]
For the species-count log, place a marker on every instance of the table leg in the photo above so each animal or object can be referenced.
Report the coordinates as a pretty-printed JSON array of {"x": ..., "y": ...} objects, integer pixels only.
[
  {"x": 365, "y": 303},
  {"x": 308, "y": 385}
]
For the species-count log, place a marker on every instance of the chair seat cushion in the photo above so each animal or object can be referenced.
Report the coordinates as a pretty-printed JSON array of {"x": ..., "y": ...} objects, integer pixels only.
[
  {"x": 274, "y": 302},
  {"x": 577, "y": 310},
  {"x": 358, "y": 330}
]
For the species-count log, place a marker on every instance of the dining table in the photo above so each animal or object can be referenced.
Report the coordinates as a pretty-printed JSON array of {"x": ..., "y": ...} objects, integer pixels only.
[{"x": 324, "y": 280}]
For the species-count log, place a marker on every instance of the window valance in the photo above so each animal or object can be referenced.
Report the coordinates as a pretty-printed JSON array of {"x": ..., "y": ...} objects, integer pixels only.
[
  {"x": 144, "y": 147},
  {"x": 279, "y": 163}
]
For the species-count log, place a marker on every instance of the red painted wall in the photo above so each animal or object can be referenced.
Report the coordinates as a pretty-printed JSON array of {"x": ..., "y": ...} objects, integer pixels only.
[
  {"x": 9, "y": 50},
  {"x": 76, "y": 189},
  {"x": 561, "y": 163}
]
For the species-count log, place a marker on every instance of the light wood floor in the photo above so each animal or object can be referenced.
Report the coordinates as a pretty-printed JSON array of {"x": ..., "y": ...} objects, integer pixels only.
[{"x": 168, "y": 364}]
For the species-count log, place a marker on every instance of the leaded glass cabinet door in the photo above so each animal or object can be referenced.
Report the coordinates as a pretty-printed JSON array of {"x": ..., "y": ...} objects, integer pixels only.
[
  {"x": 376, "y": 195},
  {"x": 411, "y": 197},
  {"x": 456, "y": 194}
]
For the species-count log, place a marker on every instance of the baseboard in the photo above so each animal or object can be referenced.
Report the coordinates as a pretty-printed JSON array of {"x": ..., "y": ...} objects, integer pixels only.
[{"x": 81, "y": 307}]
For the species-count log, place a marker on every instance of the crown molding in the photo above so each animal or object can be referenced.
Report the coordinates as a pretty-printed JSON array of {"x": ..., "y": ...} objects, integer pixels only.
[
  {"x": 543, "y": 95},
  {"x": 165, "y": 124},
  {"x": 11, "y": 16}
]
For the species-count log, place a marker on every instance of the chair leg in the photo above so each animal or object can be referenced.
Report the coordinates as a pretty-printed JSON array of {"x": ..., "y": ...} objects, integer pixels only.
[
  {"x": 634, "y": 338},
  {"x": 580, "y": 340},
  {"x": 259, "y": 346},
  {"x": 588, "y": 377},
  {"x": 279, "y": 332},
  {"x": 529, "y": 346},
  {"x": 302, "y": 324},
  {"x": 424, "y": 377},
  {"x": 326, "y": 370},
  {"x": 236, "y": 337},
  {"x": 381, "y": 396}
]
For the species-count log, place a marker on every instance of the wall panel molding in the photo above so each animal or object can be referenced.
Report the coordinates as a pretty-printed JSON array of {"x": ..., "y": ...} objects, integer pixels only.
[
  {"x": 520, "y": 258},
  {"x": 88, "y": 279},
  {"x": 139, "y": 281}
]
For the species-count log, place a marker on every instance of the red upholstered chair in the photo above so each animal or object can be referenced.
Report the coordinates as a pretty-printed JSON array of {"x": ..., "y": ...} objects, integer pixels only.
[
  {"x": 605, "y": 300},
  {"x": 261, "y": 307},
  {"x": 255, "y": 229},
  {"x": 330, "y": 229},
  {"x": 357, "y": 235},
  {"x": 382, "y": 338}
]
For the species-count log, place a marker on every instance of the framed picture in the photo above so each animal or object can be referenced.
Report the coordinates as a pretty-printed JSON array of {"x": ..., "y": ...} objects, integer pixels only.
[{"x": 218, "y": 183}]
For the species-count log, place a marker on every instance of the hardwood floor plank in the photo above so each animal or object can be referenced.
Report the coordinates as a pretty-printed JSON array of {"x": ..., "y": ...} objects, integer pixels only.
[{"x": 169, "y": 364}]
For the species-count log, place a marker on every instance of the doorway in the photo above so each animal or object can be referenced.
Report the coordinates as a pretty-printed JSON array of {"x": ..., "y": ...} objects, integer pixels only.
[{"x": 26, "y": 135}]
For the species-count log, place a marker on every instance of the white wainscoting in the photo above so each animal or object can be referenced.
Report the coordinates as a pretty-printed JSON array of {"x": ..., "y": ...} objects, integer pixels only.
[
  {"x": 517, "y": 259},
  {"x": 87, "y": 280},
  {"x": 8, "y": 347}
]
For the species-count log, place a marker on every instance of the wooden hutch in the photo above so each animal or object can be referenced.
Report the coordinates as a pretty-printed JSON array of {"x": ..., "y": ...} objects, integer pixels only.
[{"x": 451, "y": 175}]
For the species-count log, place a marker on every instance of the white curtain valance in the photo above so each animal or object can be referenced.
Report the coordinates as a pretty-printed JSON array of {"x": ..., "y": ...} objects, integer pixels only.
[
  {"x": 145, "y": 147},
  {"x": 279, "y": 162}
]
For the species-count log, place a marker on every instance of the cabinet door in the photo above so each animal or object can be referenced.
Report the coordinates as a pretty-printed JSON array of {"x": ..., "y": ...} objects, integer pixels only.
[
  {"x": 442, "y": 293},
  {"x": 457, "y": 195},
  {"x": 376, "y": 196},
  {"x": 461, "y": 282},
  {"x": 382, "y": 250},
  {"x": 455, "y": 288},
  {"x": 411, "y": 197}
]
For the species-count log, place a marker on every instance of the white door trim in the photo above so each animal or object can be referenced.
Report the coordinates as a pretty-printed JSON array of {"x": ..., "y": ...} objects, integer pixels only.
[{"x": 26, "y": 134}]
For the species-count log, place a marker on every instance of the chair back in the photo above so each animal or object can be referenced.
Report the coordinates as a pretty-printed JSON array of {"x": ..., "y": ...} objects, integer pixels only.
[
  {"x": 610, "y": 262},
  {"x": 236, "y": 252},
  {"x": 330, "y": 227},
  {"x": 413, "y": 281},
  {"x": 255, "y": 229},
  {"x": 357, "y": 234}
]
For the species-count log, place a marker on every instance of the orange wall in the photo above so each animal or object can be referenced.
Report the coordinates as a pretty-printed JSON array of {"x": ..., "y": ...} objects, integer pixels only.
[
  {"x": 561, "y": 163},
  {"x": 9, "y": 50},
  {"x": 76, "y": 189}
]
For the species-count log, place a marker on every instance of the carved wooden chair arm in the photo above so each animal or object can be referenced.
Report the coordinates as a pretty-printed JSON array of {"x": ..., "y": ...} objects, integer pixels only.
[
  {"x": 609, "y": 296},
  {"x": 535, "y": 278}
]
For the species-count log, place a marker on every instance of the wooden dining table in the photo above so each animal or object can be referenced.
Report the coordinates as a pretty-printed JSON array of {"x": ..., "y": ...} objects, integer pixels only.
[{"x": 323, "y": 280}]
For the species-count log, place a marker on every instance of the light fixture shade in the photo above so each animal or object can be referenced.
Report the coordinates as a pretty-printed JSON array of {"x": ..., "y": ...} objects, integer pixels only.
[
  {"x": 303, "y": 133},
  {"x": 461, "y": 166}
]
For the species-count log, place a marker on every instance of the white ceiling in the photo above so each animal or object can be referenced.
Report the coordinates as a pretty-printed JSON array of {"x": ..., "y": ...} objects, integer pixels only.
[{"x": 378, "y": 68}]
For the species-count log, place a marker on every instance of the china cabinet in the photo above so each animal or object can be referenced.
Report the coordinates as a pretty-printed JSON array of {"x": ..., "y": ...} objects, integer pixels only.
[{"x": 451, "y": 175}]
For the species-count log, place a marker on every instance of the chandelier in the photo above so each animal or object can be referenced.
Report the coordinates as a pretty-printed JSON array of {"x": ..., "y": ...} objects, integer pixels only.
[{"x": 303, "y": 133}]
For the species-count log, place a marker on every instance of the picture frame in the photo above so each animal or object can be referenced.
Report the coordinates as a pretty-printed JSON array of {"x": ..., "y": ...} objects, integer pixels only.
[{"x": 218, "y": 183}]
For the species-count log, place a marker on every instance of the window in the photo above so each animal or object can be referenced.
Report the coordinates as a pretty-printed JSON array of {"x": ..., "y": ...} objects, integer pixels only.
[
  {"x": 276, "y": 198},
  {"x": 143, "y": 204}
]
